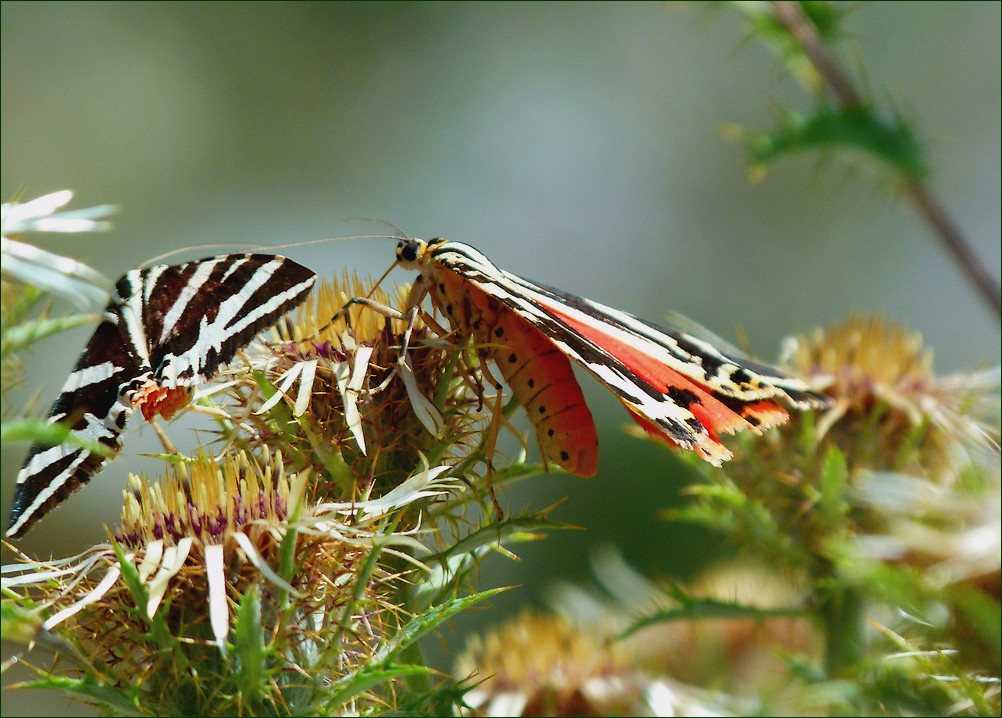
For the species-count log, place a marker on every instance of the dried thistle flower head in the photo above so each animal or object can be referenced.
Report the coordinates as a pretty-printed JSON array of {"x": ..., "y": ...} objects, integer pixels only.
[
  {"x": 540, "y": 664},
  {"x": 208, "y": 577},
  {"x": 884, "y": 386},
  {"x": 362, "y": 418}
]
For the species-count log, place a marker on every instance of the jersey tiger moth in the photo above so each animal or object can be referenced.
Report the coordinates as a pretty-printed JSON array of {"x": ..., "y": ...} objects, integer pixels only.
[{"x": 680, "y": 389}]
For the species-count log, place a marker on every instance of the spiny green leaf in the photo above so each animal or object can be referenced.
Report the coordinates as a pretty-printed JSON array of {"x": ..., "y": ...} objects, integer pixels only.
[
  {"x": 889, "y": 141},
  {"x": 834, "y": 479},
  {"x": 16, "y": 338},
  {"x": 764, "y": 25},
  {"x": 444, "y": 699},
  {"x": 124, "y": 700},
  {"x": 708, "y": 608},
  {"x": 26, "y": 298},
  {"x": 825, "y": 17},
  {"x": 130, "y": 575},
  {"x": 515, "y": 530},
  {"x": 249, "y": 647},
  {"x": 427, "y": 621},
  {"x": 18, "y": 624},
  {"x": 350, "y": 686},
  {"x": 159, "y": 633}
]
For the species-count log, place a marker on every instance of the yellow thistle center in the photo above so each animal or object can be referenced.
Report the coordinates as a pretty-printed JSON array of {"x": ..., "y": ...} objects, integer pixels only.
[{"x": 205, "y": 500}]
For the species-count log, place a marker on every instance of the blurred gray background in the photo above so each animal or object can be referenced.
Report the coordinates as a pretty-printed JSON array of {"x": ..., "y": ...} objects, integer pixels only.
[{"x": 577, "y": 144}]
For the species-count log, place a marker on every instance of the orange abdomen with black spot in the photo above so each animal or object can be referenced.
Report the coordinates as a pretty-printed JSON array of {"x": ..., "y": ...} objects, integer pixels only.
[{"x": 539, "y": 374}]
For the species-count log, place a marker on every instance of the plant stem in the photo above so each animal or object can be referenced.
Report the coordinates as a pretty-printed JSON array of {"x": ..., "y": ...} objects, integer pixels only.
[
  {"x": 792, "y": 17},
  {"x": 802, "y": 30},
  {"x": 935, "y": 214},
  {"x": 842, "y": 612}
]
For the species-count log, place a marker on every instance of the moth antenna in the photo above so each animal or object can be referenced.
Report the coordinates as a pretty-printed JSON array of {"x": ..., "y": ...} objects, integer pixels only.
[
  {"x": 401, "y": 234},
  {"x": 237, "y": 247},
  {"x": 159, "y": 259},
  {"x": 323, "y": 240}
]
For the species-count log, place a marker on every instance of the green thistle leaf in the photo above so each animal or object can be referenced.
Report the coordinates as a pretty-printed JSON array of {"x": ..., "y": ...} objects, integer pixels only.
[
  {"x": 40, "y": 431},
  {"x": 249, "y": 648},
  {"x": 889, "y": 142}
]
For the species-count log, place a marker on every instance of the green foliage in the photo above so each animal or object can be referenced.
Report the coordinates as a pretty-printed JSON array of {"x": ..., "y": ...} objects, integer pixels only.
[
  {"x": 889, "y": 142},
  {"x": 882, "y": 519},
  {"x": 846, "y": 122}
]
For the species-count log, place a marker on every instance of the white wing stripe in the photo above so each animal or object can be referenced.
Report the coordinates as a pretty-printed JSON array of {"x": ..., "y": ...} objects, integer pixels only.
[
  {"x": 131, "y": 311},
  {"x": 213, "y": 335},
  {"x": 93, "y": 374}
]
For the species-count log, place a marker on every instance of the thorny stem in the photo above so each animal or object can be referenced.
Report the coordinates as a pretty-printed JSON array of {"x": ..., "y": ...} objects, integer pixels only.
[
  {"x": 928, "y": 205},
  {"x": 801, "y": 29}
]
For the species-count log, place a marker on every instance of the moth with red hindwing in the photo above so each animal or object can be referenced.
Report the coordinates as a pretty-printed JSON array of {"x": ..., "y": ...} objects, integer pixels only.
[
  {"x": 680, "y": 389},
  {"x": 166, "y": 329}
]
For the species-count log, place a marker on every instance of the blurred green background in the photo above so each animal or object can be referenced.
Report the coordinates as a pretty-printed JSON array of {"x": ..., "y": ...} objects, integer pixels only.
[{"x": 578, "y": 144}]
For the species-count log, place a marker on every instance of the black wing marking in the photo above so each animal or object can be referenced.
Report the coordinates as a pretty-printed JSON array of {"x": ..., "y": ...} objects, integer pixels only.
[{"x": 728, "y": 374}]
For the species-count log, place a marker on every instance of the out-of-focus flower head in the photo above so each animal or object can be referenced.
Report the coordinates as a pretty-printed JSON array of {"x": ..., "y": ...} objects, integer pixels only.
[
  {"x": 56, "y": 274},
  {"x": 882, "y": 380},
  {"x": 542, "y": 665}
]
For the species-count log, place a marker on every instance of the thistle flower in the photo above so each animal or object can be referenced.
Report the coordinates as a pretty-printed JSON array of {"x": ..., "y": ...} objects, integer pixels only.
[
  {"x": 224, "y": 592},
  {"x": 354, "y": 416},
  {"x": 883, "y": 383},
  {"x": 798, "y": 489},
  {"x": 541, "y": 664},
  {"x": 887, "y": 507},
  {"x": 920, "y": 451}
]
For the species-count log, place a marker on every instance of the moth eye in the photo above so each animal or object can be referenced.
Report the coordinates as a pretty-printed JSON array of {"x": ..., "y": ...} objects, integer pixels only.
[{"x": 408, "y": 250}]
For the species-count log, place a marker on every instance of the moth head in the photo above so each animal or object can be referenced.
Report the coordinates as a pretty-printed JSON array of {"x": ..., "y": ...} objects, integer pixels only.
[
  {"x": 412, "y": 252},
  {"x": 409, "y": 251}
]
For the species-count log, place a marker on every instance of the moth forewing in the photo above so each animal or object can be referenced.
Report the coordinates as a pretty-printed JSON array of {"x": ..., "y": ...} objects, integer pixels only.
[{"x": 165, "y": 329}]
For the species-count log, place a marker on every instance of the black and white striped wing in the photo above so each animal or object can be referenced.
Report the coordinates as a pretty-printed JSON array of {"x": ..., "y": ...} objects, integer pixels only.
[
  {"x": 168, "y": 326},
  {"x": 221, "y": 304},
  {"x": 677, "y": 387},
  {"x": 91, "y": 405}
]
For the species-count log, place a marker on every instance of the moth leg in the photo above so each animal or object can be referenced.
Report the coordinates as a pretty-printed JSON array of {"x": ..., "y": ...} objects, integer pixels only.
[
  {"x": 378, "y": 307},
  {"x": 409, "y": 316},
  {"x": 162, "y": 435},
  {"x": 493, "y": 430}
]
